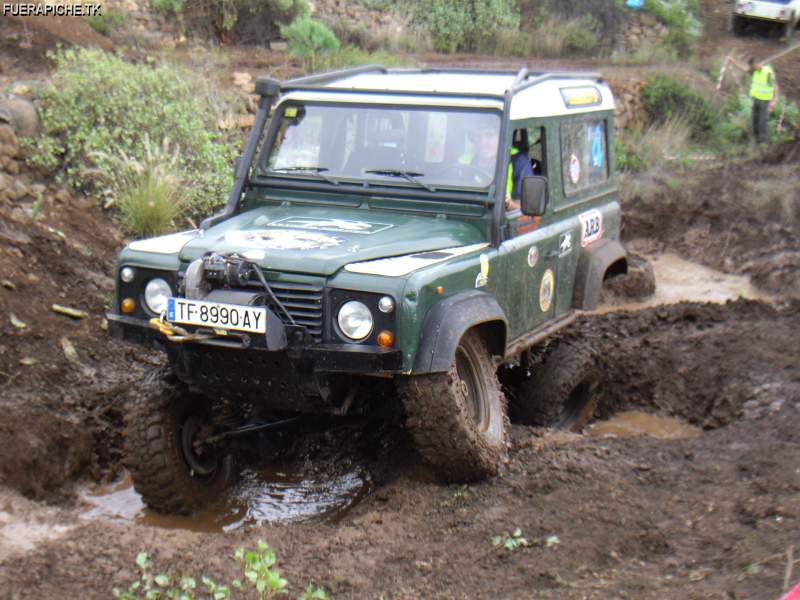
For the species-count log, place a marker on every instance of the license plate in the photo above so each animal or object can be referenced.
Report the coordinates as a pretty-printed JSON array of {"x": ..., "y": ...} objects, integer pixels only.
[{"x": 217, "y": 315}]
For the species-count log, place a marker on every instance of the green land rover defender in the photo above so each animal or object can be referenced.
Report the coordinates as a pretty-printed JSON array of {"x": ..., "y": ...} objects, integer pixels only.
[{"x": 378, "y": 232}]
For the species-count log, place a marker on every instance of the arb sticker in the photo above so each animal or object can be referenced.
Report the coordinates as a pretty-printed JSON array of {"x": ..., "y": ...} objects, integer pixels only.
[
  {"x": 546, "y": 289},
  {"x": 591, "y": 227}
]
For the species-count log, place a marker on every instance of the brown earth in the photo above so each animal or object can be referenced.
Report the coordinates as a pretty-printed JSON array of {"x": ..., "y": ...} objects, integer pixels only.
[{"x": 706, "y": 517}]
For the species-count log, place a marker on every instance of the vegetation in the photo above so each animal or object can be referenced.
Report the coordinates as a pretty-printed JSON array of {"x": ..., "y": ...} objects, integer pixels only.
[
  {"x": 681, "y": 17},
  {"x": 666, "y": 98},
  {"x": 464, "y": 25},
  {"x": 552, "y": 37},
  {"x": 107, "y": 21},
  {"x": 168, "y": 7},
  {"x": 308, "y": 39},
  {"x": 148, "y": 192},
  {"x": 353, "y": 56},
  {"x": 229, "y": 16},
  {"x": 101, "y": 107},
  {"x": 260, "y": 576}
]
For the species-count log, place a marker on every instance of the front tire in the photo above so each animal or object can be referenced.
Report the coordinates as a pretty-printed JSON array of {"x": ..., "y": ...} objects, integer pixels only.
[
  {"x": 562, "y": 392},
  {"x": 458, "y": 419},
  {"x": 170, "y": 474}
]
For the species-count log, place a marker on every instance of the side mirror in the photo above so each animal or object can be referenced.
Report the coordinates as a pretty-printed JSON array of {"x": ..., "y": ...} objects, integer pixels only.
[{"x": 534, "y": 196}]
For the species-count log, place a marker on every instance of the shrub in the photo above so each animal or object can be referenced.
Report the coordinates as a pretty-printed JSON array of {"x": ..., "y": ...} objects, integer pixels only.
[
  {"x": 464, "y": 24},
  {"x": 658, "y": 144},
  {"x": 246, "y": 21},
  {"x": 681, "y": 16},
  {"x": 666, "y": 98},
  {"x": 554, "y": 38},
  {"x": 735, "y": 126},
  {"x": 99, "y": 103},
  {"x": 352, "y": 56},
  {"x": 149, "y": 191},
  {"x": 308, "y": 38},
  {"x": 168, "y": 7},
  {"x": 107, "y": 21}
]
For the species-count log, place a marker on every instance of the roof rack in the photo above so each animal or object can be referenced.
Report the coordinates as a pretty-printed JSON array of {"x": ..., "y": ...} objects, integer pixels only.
[{"x": 523, "y": 79}]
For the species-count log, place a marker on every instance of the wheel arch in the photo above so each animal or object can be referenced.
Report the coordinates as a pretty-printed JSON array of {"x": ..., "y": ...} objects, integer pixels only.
[
  {"x": 597, "y": 263},
  {"x": 449, "y": 319}
]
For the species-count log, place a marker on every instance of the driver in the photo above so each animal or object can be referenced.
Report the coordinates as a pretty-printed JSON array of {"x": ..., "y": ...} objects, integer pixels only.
[{"x": 483, "y": 156}]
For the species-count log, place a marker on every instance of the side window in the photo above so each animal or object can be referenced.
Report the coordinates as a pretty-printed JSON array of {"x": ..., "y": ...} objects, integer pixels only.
[
  {"x": 584, "y": 155},
  {"x": 536, "y": 152}
]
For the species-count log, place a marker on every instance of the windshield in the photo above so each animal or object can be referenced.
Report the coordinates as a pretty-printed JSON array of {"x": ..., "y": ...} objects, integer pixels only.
[{"x": 416, "y": 147}]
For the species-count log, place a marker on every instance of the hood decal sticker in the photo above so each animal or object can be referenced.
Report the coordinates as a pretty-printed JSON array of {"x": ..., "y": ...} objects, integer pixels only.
[
  {"x": 282, "y": 239},
  {"x": 165, "y": 244},
  {"x": 336, "y": 225},
  {"x": 397, "y": 266}
]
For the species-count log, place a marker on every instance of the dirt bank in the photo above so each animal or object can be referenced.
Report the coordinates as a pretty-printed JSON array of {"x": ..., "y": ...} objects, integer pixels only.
[{"x": 741, "y": 217}]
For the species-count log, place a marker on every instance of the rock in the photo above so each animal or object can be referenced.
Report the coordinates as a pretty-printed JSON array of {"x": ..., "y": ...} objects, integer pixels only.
[{"x": 23, "y": 116}]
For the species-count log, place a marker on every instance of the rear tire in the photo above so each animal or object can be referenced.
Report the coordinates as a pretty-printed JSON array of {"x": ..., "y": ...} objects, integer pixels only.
[
  {"x": 458, "y": 419},
  {"x": 562, "y": 391},
  {"x": 171, "y": 476}
]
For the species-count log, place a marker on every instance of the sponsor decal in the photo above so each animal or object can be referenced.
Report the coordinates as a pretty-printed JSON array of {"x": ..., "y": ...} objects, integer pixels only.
[
  {"x": 336, "y": 225},
  {"x": 546, "y": 290},
  {"x": 533, "y": 256},
  {"x": 282, "y": 239},
  {"x": 574, "y": 169},
  {"x": 591, "y": 226},
  {"x": 483, "y": 277},
  {"x": 565, "y": 244}
]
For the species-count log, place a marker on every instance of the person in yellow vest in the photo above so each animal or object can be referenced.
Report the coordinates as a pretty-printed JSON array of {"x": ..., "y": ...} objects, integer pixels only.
[{"x": 764, "y": 92}]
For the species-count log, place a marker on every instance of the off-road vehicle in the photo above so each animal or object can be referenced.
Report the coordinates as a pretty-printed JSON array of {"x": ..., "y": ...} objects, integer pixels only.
[
  {"x": 369, "y": 236},
  {"x": 784, "y": 13}
]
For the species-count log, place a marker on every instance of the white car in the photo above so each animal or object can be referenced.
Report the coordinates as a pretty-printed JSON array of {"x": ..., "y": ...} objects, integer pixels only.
[{"x": 780, "y": 12}]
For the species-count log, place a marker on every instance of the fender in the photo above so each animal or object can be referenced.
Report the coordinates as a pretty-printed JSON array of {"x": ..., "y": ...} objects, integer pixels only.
[
  {"x": 449, "y": 319},
  {"x": 593, "y": 267}
]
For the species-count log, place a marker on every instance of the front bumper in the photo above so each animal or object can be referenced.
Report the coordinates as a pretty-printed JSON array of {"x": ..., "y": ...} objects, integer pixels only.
[{"x": 299, "y": 353}]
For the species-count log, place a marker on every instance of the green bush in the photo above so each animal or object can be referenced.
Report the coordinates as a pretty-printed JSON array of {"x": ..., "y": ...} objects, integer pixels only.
[
  {"x": 100, "y": 104},
  {"x": 552, "y": 37},
  {"x": 308, "y": 39},
  {"x": 469, "y": 25},
  {"x": 149, "y": 192},
  {"x": 736, "y": 123},
  {"x": 681, "y": 17},
  {"x": 666, "y": 98},
  {"x": 168, "y": 7},
  {"x": 353, "y": 56},
  {"x": 107, "y": 21},
  {"x": 245, "y": 20}
]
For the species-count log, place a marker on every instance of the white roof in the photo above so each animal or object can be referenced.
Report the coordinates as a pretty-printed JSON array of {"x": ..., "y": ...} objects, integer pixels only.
[{"x": 544, "y": 99}]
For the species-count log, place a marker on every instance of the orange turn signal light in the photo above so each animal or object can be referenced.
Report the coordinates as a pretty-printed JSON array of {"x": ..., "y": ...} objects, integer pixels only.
[
  {"x": 385, "y": 339},
  {"x": 128, "y": 305},
  {"x": 439, "y": 290}
]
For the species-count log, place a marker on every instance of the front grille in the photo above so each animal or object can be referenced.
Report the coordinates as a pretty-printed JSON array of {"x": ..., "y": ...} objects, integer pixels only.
[{"x": 302, "y": 300}]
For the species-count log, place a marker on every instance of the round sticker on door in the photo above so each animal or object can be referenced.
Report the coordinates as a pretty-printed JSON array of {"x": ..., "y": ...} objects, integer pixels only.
[
  {"x": 574, "y": 169},
  {"x": 533, "y": 256},
  {"x": 546, "y": 289}
]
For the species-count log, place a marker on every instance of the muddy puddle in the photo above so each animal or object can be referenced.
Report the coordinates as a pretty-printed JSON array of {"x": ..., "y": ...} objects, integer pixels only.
[
  {"x": 679, "y": 280},
  {"x": 635, "y": 423},
  {"x": 258, "y": 497}
]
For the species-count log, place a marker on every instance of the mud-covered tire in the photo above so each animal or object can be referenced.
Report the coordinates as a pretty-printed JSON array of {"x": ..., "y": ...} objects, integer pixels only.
[
  {"x": 154, "y": 454},
  {"x": 462, "y": 439},
  {"x": 562, "y": 390}
]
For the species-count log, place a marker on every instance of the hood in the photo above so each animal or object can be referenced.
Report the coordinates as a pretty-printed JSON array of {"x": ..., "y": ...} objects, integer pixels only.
[{"x": 322, "y": 240}]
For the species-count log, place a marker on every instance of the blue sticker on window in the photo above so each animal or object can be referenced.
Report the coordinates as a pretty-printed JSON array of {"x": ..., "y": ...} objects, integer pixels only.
[{"x": 597, "y": 146}]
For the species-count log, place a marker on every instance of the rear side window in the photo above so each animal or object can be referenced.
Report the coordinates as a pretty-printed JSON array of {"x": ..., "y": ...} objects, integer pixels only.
[{"x": 584, "y": 155}]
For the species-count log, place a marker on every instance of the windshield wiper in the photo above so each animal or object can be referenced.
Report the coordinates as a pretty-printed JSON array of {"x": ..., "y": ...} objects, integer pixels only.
[
  {"x": 314, "y": 170},
  {"x": 407, "y": 175}
]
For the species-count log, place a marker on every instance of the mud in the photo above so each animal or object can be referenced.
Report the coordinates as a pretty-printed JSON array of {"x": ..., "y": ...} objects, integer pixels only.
[{"x": 636, "y": 422}]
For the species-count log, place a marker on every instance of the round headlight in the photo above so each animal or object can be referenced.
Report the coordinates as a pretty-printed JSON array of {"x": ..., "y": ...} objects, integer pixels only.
[
  {"x": 355, "y": 320},
  {"x": 127, "y": 274},
  {"x": 386, "y": 304},
  {"x": 156, "y": 294}
]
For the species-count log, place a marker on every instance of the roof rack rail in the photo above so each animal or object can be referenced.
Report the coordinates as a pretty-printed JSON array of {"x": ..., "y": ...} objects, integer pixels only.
[
  {"x": 526, "y": 80},
  {"x": 332, "y": 76}
]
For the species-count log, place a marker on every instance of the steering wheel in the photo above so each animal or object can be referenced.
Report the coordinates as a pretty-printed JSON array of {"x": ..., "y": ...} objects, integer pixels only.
[{"x": 466, "y": 171}]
